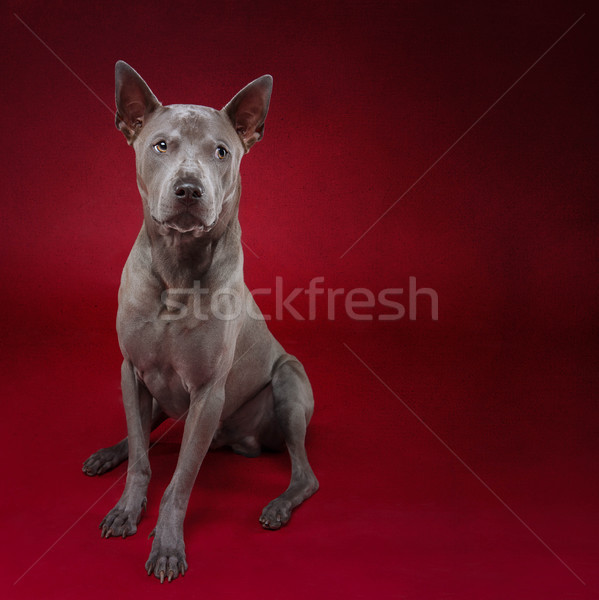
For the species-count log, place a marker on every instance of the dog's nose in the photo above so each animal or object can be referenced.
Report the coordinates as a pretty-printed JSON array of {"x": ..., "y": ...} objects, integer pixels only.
[{"x": 188, "y": 193}]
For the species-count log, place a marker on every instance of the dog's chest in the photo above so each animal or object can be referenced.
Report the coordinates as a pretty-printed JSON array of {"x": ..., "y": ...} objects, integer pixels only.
[{"x": 171, "y": 357}]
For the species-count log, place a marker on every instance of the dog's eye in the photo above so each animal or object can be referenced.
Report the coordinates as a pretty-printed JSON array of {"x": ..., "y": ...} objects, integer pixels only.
[
  {"x": 160, "y": 147},
  {"x": 221, "y": 153}
]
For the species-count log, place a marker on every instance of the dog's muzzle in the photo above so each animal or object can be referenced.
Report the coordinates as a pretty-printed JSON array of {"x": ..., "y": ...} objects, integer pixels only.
[{"x": 184, "y": 223}]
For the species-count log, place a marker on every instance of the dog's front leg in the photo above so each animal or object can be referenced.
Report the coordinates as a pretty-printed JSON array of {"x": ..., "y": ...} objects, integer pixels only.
[
  {"x": 167, "y": 557},
  {"x": 122, "y": 520}
]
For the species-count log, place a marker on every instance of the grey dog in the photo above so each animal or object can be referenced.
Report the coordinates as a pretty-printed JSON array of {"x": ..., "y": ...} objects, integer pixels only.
[{"x": 218, "y": 368}]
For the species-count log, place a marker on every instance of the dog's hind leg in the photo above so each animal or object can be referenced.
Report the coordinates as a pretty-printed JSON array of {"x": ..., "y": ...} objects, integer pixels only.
[
  {"x": 293, "y": 408},
  {"x": 106, "y": 459}
]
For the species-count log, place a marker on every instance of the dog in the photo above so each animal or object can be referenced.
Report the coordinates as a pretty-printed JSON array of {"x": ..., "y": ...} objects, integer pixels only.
[{"x": 194, "y": 356}]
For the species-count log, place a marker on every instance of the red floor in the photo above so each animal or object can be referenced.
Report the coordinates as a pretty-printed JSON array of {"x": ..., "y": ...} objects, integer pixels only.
[{"x": 457, "y": 457}]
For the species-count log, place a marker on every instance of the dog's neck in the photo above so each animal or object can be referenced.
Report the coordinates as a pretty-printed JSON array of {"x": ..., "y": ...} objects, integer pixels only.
[{"x": 180, "y": 259}]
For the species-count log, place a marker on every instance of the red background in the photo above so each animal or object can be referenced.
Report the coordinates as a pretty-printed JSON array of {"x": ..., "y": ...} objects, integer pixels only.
[{"x": 367, "y": 96}]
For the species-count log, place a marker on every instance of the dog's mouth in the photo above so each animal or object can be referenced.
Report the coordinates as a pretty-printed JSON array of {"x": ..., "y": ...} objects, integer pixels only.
[{"x": 183, "y": 224}]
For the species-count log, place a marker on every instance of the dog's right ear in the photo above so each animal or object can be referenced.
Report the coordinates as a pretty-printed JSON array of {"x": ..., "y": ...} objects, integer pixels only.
[{"x": 134, "y": 101}]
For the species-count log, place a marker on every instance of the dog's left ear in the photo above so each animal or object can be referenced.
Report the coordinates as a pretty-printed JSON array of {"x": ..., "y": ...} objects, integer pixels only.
[{"x": 248, "y": 110}]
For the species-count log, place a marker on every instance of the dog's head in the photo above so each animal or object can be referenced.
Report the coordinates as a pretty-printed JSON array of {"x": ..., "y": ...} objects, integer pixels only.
[{"x": 187, "y": 156}]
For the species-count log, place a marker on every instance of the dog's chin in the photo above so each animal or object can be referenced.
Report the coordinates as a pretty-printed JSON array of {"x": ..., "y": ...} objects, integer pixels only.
[{"x": 183, "y": 224}]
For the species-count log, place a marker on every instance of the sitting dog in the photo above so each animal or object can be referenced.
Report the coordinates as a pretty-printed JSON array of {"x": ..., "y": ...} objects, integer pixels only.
[{"x": 195, "y": 355}]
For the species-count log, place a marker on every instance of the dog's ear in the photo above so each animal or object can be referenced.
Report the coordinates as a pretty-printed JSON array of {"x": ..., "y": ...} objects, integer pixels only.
[
  {"x": 134, "y": 100},
  {"x": 248, "y": 109}
]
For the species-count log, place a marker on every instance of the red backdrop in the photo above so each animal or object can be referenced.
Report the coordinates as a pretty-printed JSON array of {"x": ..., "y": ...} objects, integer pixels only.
[{"x": 457, "y": 457}]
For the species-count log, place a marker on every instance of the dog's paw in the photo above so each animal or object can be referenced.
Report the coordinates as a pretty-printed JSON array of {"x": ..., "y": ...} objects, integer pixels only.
[
  {"x": 120, "y": 522},
  {"x": 105, "y": 459},
  {"x": 276, "y": 514},
  {"x": 166, "y": 562}
]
